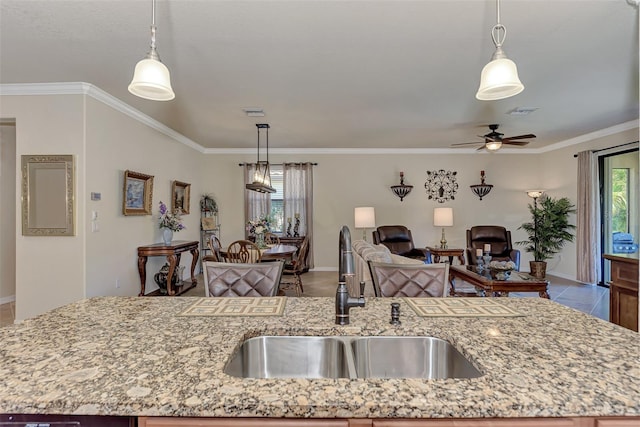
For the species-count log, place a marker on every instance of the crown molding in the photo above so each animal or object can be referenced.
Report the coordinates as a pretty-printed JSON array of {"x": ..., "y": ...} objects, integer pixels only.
[{"x": 82, "y": 88}]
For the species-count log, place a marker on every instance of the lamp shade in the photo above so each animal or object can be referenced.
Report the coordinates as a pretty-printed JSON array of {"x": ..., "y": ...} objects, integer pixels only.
[
  {"x": 151, "y": 80},
  {"x": 534, "y": 194},
  {"x": 365, "y": 217},
  {"x": 443, "y": 217},
  {"x": 499, "y": 80}
]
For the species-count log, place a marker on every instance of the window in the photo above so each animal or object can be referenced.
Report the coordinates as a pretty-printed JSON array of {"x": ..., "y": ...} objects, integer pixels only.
[{"x": 277, "y": 205}]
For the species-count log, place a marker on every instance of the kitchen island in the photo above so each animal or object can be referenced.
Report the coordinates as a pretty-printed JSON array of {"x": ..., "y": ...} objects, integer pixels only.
[{"x": 137, "y": 357}]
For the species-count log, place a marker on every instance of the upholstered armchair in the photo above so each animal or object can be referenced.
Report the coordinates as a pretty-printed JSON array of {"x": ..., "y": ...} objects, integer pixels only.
[
  {"x": 399, "y": 241},
  {"x": 410, "y": 280},
  {"x": 498, "y": 238},
  {"x": 222, "y": 279}
]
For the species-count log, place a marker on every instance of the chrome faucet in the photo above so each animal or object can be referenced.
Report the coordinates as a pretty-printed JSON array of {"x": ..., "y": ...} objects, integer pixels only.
[{"x": 345, "y": 269}]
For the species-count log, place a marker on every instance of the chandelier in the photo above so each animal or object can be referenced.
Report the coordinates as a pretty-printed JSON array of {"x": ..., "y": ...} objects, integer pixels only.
[{"x": 262, "y": 176}]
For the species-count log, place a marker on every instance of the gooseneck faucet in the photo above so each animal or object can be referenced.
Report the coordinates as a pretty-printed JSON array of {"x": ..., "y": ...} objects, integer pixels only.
[{"x": 345, "y": 269}]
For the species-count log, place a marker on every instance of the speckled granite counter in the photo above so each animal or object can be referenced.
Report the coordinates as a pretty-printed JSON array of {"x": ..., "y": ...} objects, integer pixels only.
[{"x": 135, "y": 356}]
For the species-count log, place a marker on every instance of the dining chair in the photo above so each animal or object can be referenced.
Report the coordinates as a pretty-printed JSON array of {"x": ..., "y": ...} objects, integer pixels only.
[
  {"x": 224, "y": 279},
  {"x": 214, "y": 246},
  {"x": 296, "y": 268},
  {"x": 409, "y": 280},
  {"x": 271, "y": 239},
  {"x": 243, "y": 251}
]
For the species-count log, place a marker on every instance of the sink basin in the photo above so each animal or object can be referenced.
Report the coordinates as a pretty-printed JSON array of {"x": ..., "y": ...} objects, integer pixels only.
[
  {"x": 290, "y": 357},
  {"x": 349, "y": 357},
  {"x": 409, "y": 357}
]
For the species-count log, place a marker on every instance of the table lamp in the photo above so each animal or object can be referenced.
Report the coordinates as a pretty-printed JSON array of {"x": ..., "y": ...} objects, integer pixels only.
[
  {"x": 365, "y": 217},
  {"x": 443, "y": 217}
]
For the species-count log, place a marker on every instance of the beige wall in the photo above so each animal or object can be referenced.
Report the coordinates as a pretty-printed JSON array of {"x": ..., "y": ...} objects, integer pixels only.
[
  {"x": 52, "y": 271},
  {"x": 115, "y": 143},
  {"x": 7, "y": 213}
]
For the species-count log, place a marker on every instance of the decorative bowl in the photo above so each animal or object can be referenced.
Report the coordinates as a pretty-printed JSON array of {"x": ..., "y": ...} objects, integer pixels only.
[{"x": 501, "y": 270}]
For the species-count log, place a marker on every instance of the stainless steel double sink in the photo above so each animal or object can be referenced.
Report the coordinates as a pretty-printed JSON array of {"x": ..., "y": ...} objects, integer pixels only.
[{"x": 349, "y": 357}]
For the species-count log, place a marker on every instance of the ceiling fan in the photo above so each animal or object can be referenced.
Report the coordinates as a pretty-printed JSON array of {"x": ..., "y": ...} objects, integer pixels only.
[{"x": 493, "y": 141}]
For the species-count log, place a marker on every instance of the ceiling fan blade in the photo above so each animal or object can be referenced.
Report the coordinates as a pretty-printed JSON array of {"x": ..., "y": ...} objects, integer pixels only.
[
  {"x": 519, "y": 143},
  {"x": 481, "y": 148},
  {"x": 527, "y": 136},
  {"x": 467, "y": 143}
]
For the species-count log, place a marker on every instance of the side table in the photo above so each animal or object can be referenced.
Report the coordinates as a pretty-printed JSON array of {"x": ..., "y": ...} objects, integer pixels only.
[
  {"x": 172, "y": 252},
  {"x": 438, "y": 253}
]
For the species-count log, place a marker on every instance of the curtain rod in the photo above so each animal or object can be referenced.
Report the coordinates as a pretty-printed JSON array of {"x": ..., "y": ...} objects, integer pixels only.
[
  {"x": 281, "y": 164},
  {"x": 611, "y": 148}
]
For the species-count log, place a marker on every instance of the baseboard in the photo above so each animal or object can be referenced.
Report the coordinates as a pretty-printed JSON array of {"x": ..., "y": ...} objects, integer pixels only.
[
  {"x": 7, "y": 300},
  {"x": 324, "y": 269},
  {"x": 564, "y": 276}
]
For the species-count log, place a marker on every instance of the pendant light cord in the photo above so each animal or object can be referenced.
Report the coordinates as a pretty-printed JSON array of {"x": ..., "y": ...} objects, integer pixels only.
[
  {"x": 495, "y": 31},
  {"x": 153, "y": 53}
]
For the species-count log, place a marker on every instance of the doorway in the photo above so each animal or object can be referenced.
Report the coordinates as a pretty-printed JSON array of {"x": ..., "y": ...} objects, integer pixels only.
[{"x": 619, "y": 188}]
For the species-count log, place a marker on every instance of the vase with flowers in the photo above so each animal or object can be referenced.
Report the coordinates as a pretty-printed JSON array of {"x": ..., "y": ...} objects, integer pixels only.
[
  {"x": 169, "y": 223},
  {"x": 258, "y": 228}
]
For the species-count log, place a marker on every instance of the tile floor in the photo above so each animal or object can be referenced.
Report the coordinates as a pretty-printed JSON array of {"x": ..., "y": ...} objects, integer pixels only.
[{"x": 593, "y": 300}]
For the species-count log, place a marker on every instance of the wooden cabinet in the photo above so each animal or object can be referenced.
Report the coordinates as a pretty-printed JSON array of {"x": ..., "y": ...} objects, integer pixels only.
[
  {"x": 623, "y": 302},
  {"x": 477, "y": 422},
  {"x": 238, "y": 422}
]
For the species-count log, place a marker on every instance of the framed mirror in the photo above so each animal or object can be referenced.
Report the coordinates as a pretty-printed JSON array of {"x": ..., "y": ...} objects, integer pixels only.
[{"x": 48, "y": 195}]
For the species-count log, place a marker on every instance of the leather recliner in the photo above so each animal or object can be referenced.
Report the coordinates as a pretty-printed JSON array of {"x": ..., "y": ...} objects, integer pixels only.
[
  {"x": 399, "y": 241},
  {"x": 500, "y": 240}
]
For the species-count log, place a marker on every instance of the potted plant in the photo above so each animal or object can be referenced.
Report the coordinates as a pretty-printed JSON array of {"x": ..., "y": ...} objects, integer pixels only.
[
  {"x": 548, "y": 231},
  {"x": 208, "y": 204}
]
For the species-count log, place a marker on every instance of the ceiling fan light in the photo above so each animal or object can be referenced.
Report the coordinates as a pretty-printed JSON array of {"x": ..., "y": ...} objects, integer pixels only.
[
  {"x": 151, "y": 80},
  {"x": 499, "y": 80},
  {"x": 493, "y": 145}
]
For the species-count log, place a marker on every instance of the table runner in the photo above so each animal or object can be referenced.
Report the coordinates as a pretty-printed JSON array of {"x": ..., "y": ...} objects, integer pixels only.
[
  {"x": 460, "y": 307},
  {"x": 237, "y": 306}
]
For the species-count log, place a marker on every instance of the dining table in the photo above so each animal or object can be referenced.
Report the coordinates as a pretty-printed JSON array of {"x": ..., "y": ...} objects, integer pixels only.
[{"x": 272, "y": 252}]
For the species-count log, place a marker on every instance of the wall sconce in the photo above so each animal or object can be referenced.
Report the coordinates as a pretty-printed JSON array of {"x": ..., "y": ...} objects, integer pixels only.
[
  {"x": 481, "y": 189},
  {"x": 365, "y": 218},
  {"x": 401, "y": 190}
]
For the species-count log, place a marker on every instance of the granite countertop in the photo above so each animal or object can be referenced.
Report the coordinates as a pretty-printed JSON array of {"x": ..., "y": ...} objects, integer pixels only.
[{"x": 136, "y": 356}]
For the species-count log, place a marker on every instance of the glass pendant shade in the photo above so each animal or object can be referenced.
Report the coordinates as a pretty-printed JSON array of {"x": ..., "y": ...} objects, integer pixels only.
[
  {"x": 151, "y": 80},
  {"x": 499, "y": 80},
  {"x": 493, "y": 145}
]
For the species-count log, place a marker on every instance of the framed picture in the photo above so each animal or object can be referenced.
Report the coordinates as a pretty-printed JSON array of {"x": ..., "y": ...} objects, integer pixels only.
[
  {"x": 137, "y": 193},
  {"x": 180, "y": 196}
]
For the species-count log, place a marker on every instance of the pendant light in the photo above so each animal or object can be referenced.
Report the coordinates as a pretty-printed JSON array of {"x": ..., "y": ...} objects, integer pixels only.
[
  {"x": 262, "y": 176},
  {"x": 499, "y": 78},
  {"x": 151, "y": 79}
]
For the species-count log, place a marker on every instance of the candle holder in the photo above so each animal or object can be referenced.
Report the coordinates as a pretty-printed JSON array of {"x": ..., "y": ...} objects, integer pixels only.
[
  {"x": 480, "y": 263},
  {"x": 486, "y": 258}
]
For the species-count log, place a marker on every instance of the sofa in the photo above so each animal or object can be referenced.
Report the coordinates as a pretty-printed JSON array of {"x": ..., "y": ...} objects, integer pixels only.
[{"x": 363, "y": 252}]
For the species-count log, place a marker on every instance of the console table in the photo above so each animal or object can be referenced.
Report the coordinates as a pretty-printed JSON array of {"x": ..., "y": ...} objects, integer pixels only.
[{"x": 172, "y": 252}]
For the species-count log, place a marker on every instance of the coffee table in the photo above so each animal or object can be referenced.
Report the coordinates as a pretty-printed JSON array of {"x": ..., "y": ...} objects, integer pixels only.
[{"x": 485, "y": 284}]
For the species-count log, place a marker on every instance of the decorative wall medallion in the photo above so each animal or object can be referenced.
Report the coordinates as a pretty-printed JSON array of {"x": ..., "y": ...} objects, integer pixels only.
[{"x": 441, "y": 185}]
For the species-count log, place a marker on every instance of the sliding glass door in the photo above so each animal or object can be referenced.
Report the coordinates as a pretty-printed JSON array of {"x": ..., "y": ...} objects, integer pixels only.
[{"x": 619, "y": 190}]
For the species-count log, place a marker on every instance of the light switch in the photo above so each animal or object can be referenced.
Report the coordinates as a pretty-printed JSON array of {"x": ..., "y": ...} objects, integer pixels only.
[{"x": 94, "y": 215}]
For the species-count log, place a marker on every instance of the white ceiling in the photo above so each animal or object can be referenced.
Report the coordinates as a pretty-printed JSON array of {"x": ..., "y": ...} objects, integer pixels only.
[{"x": 340, "y": 74}]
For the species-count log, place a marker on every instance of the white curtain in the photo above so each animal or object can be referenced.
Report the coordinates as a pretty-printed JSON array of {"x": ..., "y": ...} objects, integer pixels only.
[
  {"x": 256, "y": 204},
  {"x": 588, "y": 219},
  {"x": 298, "y": 199}
]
